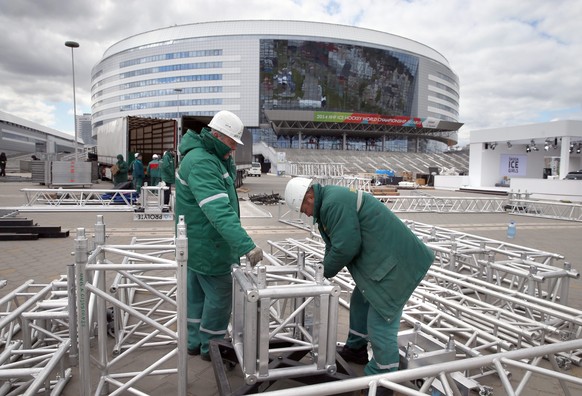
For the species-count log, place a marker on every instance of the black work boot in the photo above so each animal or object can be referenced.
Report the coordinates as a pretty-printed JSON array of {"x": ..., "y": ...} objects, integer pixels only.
[{"x": 358, "y": 356}]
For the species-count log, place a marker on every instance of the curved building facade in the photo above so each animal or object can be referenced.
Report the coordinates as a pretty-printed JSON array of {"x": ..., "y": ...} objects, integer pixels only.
[{"x": 273, "y": 72}]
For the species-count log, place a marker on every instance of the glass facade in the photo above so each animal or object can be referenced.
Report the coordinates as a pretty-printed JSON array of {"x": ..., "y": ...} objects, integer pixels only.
[{"x": 335, "y": 77}]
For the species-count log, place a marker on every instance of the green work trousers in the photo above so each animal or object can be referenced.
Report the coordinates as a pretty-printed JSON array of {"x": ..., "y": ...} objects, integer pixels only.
[
  {"x": 209, "y": 308},
  {"x": 138, "y": 184},
  {"x": 367, "y": 324}
]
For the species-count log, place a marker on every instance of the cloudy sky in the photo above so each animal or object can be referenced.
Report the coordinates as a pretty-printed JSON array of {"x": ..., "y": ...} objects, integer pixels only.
[{"x": 519, "y": 61}]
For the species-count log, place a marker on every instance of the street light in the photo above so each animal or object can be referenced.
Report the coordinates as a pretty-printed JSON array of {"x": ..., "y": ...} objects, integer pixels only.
[
  {"x": 178, "y": 91},
  {"x": 72, "y": 45}
]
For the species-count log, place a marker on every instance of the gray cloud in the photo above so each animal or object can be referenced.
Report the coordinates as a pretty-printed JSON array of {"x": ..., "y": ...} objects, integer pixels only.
[{"x": 518, "y": 61}]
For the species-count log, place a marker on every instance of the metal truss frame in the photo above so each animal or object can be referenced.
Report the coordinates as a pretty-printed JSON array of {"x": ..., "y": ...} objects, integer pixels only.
[
  {"x": 280, "y": 309},
  {"x": 159, "y": 315},
  {"x": 547, "y": 209},
  {"x": 527, "y": 359},
  {"x": 39, "y": 345},
  {"x": 78, "y": 200},
  {"x": 472, "y": 316},
  {"x": 313, "y": 168},
  {"x": 430, "y": 204}
]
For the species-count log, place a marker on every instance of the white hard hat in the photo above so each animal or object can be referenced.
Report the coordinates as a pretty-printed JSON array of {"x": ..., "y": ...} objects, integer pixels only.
[
  {"x": 228, "y": 124},
  {"x": 136, "y": 155},
  {"x": 295, "y": 192},
  {"x": 155, "y": 156}
]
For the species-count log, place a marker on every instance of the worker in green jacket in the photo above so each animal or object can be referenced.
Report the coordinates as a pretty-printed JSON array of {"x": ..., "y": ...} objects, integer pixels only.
[
  {"x": 386, "y": 260},
  {"x": 154, "y": 171},
  {"x": 168, "y": 174},
  {"x": 138, "y": 173},
  {"x": 207, "y": 197},
  {"x": 122, "y": 168}
]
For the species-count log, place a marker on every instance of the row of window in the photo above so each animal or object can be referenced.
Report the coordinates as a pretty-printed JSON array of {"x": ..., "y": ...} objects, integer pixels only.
[
  {"x": 159, "y": 81},
  {"x": 448, "y": 78},
  {"x": 166, "y": 103},
  {"x": 156, "y": 93},
  {"x": 159, "y": 69},
  {"x": 169, "y": 56},
  {"x": 444, "y": 87},
  {"x": 444, "y": 107}
]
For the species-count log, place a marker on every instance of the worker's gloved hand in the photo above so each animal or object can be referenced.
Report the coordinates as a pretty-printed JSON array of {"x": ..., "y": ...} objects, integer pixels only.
[{"x": 255, "y": 255}]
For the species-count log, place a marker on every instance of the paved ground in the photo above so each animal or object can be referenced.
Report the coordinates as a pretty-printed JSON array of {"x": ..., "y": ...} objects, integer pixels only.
[{"x": 45, "y": 259}]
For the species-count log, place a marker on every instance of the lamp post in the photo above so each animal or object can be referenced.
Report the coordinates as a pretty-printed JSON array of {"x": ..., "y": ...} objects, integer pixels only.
[
  {"x": 178, "y": 91},
  {"x": 72, "y": 45}
]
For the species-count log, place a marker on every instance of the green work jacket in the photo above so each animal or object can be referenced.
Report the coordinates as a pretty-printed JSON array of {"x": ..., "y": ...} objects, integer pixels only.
[
  {"x": 168, "y": 168},
  {"x": 386, "y": 260},
  {"x": 206, "y": 196}
]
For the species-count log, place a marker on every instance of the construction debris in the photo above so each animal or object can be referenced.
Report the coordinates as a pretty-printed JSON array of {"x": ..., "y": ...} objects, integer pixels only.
[{"x": 266, "y": 199}]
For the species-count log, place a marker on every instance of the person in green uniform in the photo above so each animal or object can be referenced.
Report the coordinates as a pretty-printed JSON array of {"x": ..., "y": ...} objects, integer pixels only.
[
  {"x": 206, "y": 196},
  {"x": 168, "y": 170},
  {"x": 154, "y": 170},
  {"x": 385, "y": 258},
  {"x": 138, "y": 173},
  {"x": 122, "y": 168}
]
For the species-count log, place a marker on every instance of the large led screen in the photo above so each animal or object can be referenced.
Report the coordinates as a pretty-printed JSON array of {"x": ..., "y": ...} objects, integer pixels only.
[{"x": 323, "y": 76}]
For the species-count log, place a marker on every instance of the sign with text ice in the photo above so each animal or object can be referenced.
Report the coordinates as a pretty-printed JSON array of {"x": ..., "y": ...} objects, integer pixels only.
[{"x": 513, "y": 165}]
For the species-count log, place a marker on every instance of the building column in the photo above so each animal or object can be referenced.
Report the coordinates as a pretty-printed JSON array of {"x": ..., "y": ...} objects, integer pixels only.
[
  {"x": 345, "y": 141},
  {"x": 565, "y": 156}
]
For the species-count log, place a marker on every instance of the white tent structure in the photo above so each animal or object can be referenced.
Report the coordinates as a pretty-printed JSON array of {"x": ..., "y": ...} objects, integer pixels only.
[{"x": 533, "y": 158}]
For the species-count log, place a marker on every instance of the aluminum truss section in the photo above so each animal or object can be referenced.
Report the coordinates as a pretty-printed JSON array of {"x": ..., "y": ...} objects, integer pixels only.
[
  {"x": 547, "y": 209},
  {"x": 430, "y": 204},
  {"x": 542, "y": 315},
  {"x": 39, "y": 346},
  {"x": 453, "y": 309},
  {"x": 472, "y": 244},
  {"x": 34, "y": 371},
  {"x": 528, "y": 360},
  {"x": 279, "y": 309},
  {"x": 79, "y": 200},
  {"x": 352, "y": 182},
  {"x": 314, "y": 169},
  {"x": 160, "y": 314}
]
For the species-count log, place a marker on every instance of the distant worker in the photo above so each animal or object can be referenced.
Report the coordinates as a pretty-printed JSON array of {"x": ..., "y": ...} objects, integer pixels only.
[
  {"x": 154, "y": 170},
  {"x": 207, "y": 197},
  {"x": 138, "y": 173},
  {"x": 3, "y": 160},
  {"x": 168, "y": 173},
  {"x": 120, "y": 175},
  {"x": 385, "y": 258},
  {"x": 34, "y": 158}
]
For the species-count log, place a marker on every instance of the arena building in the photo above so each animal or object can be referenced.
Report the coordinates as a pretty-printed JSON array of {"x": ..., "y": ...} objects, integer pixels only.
[{"x": 294, "y": 84}]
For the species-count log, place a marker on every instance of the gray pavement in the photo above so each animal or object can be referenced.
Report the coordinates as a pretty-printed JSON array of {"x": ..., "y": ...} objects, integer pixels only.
[{"x": 44, "y": 260}]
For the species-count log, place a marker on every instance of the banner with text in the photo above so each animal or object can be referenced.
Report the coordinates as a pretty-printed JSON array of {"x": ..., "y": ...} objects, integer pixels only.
[
  {"x": 513, "y": 165},
  {"x": 366, "y": 118}
]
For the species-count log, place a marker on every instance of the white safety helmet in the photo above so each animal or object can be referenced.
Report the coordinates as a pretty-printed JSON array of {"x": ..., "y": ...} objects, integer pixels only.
[
  {"x": 228, "y": 124},
  {"x": 155, "y": 156},
  {"x": 295, "y": 192}
]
